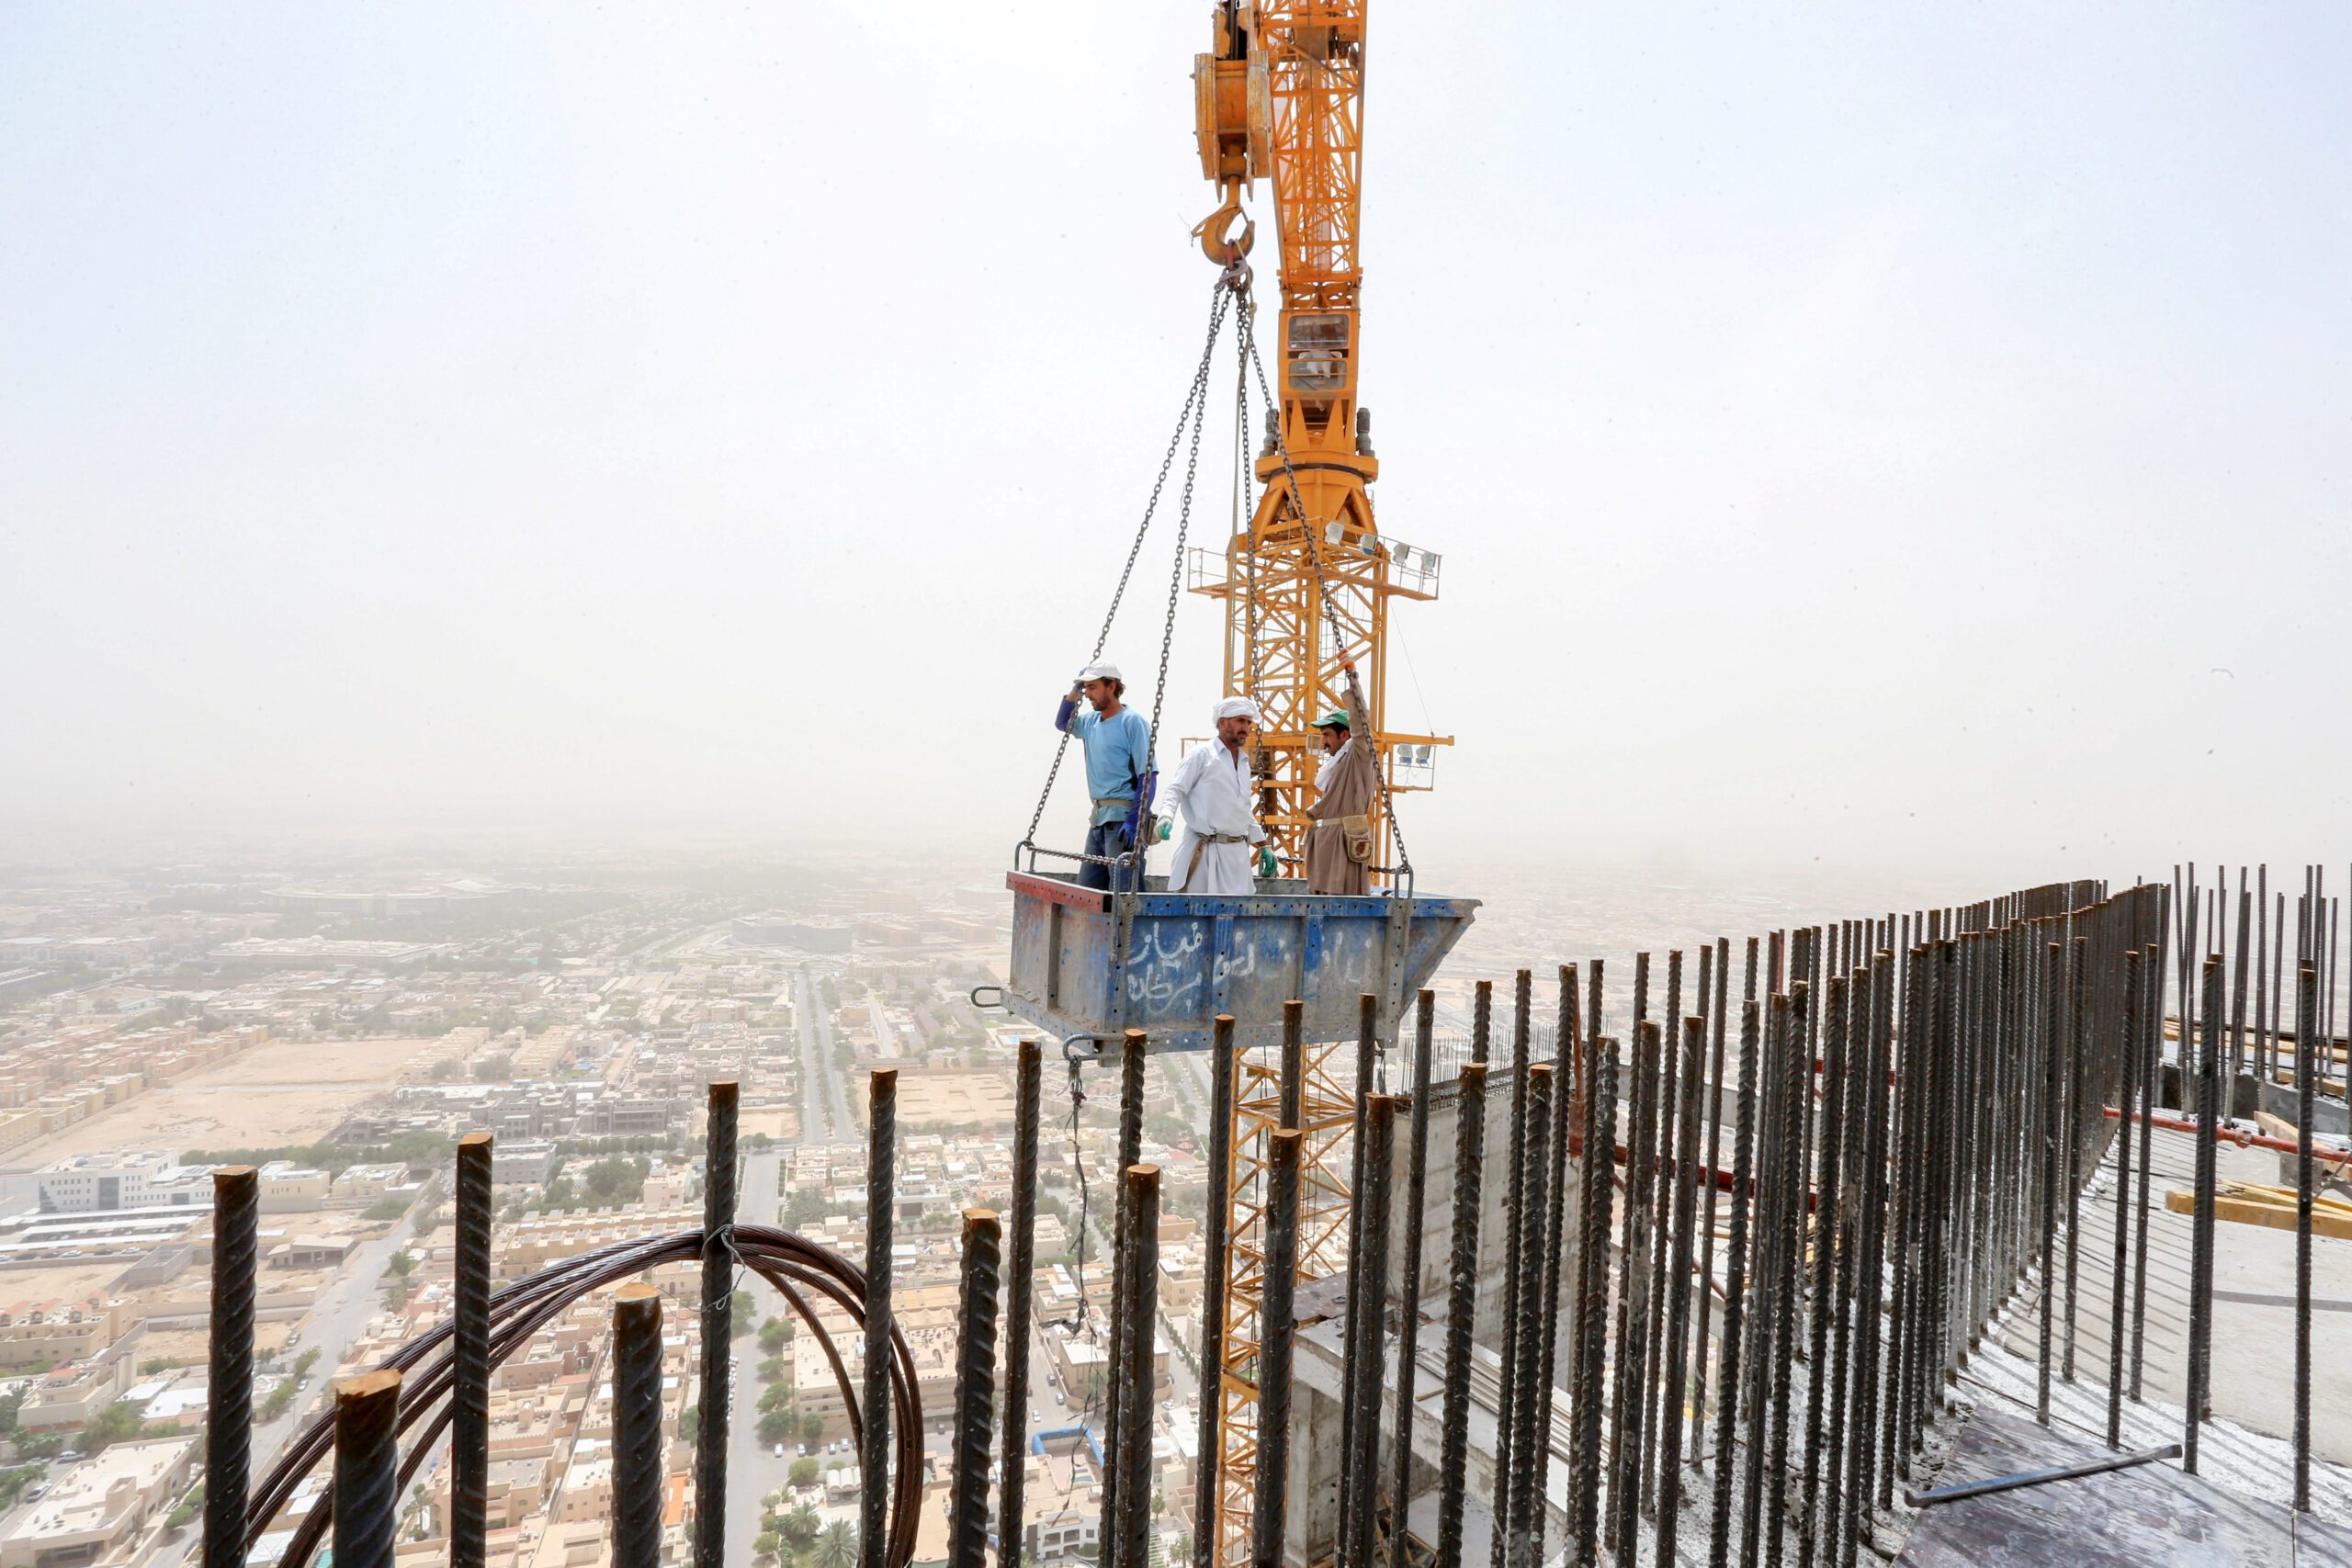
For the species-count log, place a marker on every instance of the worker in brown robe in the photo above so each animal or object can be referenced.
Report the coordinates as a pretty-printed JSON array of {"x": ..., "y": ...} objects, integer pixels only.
[{"x": 1338, "y": 845}]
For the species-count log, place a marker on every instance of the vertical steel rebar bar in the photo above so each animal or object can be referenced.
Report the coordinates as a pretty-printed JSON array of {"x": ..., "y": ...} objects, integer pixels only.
[
  {"x": 470, "y": 1356},
  {"x": 1370, "y": 1282},
  {"x": 1223, "y": 1065},
  {"x": 229, "y": 1396},
  {"x": 1462, "y": 1304},
  {"x": 1021, "y": 1251},
  {"x": 1519, "y": 1489},
  {"x": 717, "y": 1304},
  {"x": 2053, "y": 1089},
  {"x": 1597, "y": 1176},
  {"x": 2198, "y": 1400},
  {"x": 874, "y": 1413},
  {"x": 1352, "y": 1341},
  {"x": 2306, "y": 1073},
  {"x": 1676, "y": 1357},
  {"x": 1568, "y": 1055},
  {"x": 1116, "y": 1391},
  {"x": 1634, "y": 1298},
  {"x": 1409, "y": 1316},
  {"x": 636, "y": 1426},
  {"x": 1276, "y": 1326},
  {"x": 967, "y": 1507},
  {"x": 2117, "y": 1291},
  {"x": 367, "y": 1468},
  {"x": 1140, "y": 1373},
  {"x": 1727, "y": 1377},
  {"x": 1825, "y": 1263},
  {"x": 1514, "y": 1238},
  {"x": 1718, "y": 1012}
]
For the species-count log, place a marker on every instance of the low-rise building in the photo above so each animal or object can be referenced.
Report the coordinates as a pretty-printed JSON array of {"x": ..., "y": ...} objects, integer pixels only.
[{"x": 99, "y": 1504}]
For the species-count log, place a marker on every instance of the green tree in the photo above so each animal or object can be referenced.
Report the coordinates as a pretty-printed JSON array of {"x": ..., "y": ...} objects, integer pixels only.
[
  {"x": 775, "y": 1426},
  {"x": 765, "y": 1544},
  {"x": 774, "y": 1334},
  {"x": 800, "y": 1527},
  {"x": 385, "y": 1209},
  {"x": 616, "y": 1180},
  {"x": 401, "y": 1266},
  {"x": 837, "y": 1545},
  {"x": 804, "y": 1473},
  {"x": 741, "y": 1317},
  {"x": 310, "y": 1357},
  {"x": 775, "y": 1396},
  {"x": 812, "y": 1427},
  {"x": 117, "y": 1422}
]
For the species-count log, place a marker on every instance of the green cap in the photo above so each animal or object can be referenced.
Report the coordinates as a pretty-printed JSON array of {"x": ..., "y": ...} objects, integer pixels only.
[{"x": 1336, "y": 719}]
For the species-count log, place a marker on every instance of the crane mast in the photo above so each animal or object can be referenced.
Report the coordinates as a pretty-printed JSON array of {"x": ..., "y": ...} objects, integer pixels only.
[{"x": 1306, "y": 587}]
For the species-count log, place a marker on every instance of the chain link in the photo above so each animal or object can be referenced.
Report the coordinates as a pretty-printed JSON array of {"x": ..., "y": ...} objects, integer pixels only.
[
  {"x": 1246, "y": 324},
  {"x": 1188, "y": 416},
  {"x": 1184, "y": 514}
]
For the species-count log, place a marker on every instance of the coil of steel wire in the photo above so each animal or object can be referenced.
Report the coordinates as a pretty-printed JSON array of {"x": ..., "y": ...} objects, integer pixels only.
[{"x": 797, "y": 1268}]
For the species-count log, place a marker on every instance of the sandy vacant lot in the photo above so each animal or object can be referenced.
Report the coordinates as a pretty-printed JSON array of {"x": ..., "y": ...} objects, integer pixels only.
[
  {"x": 287, "y": 1092},
  {"x": 22, "y": 1290}
]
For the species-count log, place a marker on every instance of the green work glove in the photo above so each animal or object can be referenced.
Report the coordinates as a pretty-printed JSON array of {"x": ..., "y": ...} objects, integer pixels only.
[
  {"x": 1266, "y": 866},
  {"x": 1166, "y": 831}
]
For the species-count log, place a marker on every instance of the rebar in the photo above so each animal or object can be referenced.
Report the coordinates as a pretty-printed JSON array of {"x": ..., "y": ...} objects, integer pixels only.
[
  {"x": 2200, "y": 1267},
  {"x": 1567, "y": 1053},
  {"x": 1514, "y": 1241},
  {"x": 1789, "y": 1211},
  {"x": 1686, "y": 1202},
  {"x": 1223, "y": 1066},
  {"x": 1469, "y": 1164},
  {"x": 1662, "y": 1188},
  {"x": 1634, "y": 1298},
  {"x": 718, "y": 1301},
  {"x": 1408, "y": 1315},
  {"x": 367, "y": 1468},
  {"x": 469, "y": 1394},
  {"x": 881, "y": 1208},
  {"x": 1597, "y": 1179},
  {"x": 1727, "y": 1360},
  {"x": 1019, "y": 1285},
  {"x": 1140, "y": 1373},
  {"x": 1116, "y": 1391},
  {"x": 967, "y": 1507},
  {"x": 2306, "y": 1073},
  {"x": 1351, "y": 1339},
  {"x": 1368, "y": 1293},
  {"x": 1825, "y": 1263},
  {"x": 636, "y": 1426},
  {"x": 1275, "y": 1351},
  {"x": 1718, "y": 1013},
  {"x": 2117, "y": 1301},
  {"x": 229, "y": 1396},
  {"x": 2052, "y": 1090},
  {"x": 1518, "y": 1489}
]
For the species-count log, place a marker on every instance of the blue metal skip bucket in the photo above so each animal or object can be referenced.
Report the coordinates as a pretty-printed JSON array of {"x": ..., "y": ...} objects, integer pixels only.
[{"x": 1190, "y": 958}]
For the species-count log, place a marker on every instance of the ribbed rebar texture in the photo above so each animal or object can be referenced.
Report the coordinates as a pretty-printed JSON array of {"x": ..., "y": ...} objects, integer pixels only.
[
  {"x": 1143, "y": 1312},
  {"x": 1409, "y": 1316},
  {"x": 367, "y": 1468},
  {"x": 874, "y": 1402},
  {"x": 1568, "y": 1088},
  {"x": 1021, "y": 1251},
  {"x": 1469, "y": 1164},
  {"x": 968, "y": 1509},
  {"x": 1506, "y": 1424},
  {"x": 1678, "y": 1327},
  {"x": 1597, "y": 1174},
  {"x": 1116, "y": 1392},
  {"x": 1527, "y": 1345},
  {"x": 2306, "y": 1075},
  {"x": 636, "y": 1426},
  {"x": 1727, "y": 1376},
  {"x": 1368, "y": 1292},
  {"x": 1351, "y": 1342},
  {"x": 228, "y": 1398},
  {"x": 2120, "y": 1283},
  {"x": 1222, "y": 1067},
  {"x": 717, "y": 1303},
  {"x": 1274, "y": 1348},
  {"x": 470, "y": 1393}
]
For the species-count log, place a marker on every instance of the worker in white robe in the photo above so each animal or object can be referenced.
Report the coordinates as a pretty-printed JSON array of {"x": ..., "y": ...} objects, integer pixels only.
[{"x": 1208, "y": 800}]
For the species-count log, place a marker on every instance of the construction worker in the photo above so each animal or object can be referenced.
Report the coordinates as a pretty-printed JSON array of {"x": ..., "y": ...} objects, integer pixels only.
[
  {"x": 1118, "y": 770},
  {"x": 1208, "y": 796},
  {"x": 1339, "y": 844}
]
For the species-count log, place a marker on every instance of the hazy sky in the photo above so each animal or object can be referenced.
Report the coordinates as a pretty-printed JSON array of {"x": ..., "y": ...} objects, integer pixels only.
[{"x": 1867, "y": 436}]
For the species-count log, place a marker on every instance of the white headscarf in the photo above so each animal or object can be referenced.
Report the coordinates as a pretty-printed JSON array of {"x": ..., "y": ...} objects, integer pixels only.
[{"x": 1236, "y": 707}]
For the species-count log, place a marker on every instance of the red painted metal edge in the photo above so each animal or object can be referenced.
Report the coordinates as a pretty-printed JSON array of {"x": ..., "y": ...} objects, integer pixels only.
[{"x": 1056, "y": 892}]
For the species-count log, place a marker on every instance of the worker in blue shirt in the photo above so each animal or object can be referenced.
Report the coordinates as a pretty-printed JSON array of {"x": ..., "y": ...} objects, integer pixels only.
[{"x": 1118, "y": 768}]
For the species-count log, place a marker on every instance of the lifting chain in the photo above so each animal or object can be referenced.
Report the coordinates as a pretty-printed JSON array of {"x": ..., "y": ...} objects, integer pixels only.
[{"x": 1193, "y": 400}]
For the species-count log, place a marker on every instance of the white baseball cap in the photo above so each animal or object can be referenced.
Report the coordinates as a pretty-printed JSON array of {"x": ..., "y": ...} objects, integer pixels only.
[{"x": 1101, "y": 671}]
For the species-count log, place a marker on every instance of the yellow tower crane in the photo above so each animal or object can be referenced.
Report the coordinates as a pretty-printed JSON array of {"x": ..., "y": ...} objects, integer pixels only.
[{"x": 1306, "y": 587}]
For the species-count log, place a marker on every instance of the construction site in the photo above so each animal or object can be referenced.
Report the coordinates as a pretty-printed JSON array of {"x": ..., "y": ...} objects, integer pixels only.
[{"x": 2011, "y": 1228}]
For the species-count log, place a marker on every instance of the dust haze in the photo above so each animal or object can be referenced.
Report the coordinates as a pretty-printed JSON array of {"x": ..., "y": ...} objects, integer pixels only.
[{"x": 1874, "y": 442}]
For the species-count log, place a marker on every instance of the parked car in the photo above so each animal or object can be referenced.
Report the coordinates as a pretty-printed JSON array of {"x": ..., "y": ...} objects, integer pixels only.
[{"x": 779, "y": 1448}]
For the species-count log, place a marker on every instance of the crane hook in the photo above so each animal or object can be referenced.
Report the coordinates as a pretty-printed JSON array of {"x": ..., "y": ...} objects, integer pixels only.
[{"x": 1214, "y": 231}]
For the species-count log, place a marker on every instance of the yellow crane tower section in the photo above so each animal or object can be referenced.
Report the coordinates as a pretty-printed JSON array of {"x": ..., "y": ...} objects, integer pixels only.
[{"x": 1306, "y": 587}]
